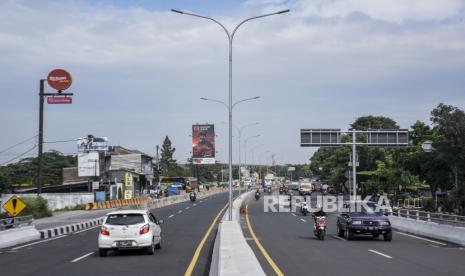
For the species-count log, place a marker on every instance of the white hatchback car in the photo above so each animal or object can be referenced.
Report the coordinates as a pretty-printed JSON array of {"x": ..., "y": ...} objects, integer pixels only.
[{"x": 130, "y": 229}]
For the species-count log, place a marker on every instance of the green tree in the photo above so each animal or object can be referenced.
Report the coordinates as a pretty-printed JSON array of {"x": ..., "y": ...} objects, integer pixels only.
[
  {"x": 168, "y": 165},
  {"x": 25, "y": 170},
  {"x": 449, "y": 124}
]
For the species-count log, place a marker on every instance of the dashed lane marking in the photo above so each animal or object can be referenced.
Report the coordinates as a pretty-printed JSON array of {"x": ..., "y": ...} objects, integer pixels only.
[
  {"x": 294, "y": 214},
  {"x": 37, "y": 242},
  {"x": 195, "y": 204},
  {"x": 171, "y": 216},
  {"x": 180, "y": 211},
  {"x": 82, "y": 257},
  {"x": 420, "y": 238},
  {"x": 303, "y": 220},
  {"x": 379, "y": 253},
  {"x": 187, "y": 208}
]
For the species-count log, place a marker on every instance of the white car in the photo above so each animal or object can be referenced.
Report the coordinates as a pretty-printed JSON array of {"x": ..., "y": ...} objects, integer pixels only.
[{"x": 130, "y": 229}]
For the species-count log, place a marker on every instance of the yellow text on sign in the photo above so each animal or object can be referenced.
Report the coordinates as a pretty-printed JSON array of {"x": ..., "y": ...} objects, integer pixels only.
[{"x": 14, "y": 206}]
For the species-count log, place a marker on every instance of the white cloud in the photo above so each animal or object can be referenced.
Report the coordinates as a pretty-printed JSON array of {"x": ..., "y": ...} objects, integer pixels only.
[{"x": 146, "y": 69}]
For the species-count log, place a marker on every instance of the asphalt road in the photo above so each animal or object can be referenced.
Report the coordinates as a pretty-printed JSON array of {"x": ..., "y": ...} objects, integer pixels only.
[
  {"x": 288, "y": 238},
  {"x": 185, "y": 224}
]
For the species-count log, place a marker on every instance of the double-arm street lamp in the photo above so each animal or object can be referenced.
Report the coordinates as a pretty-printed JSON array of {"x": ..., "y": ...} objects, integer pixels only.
[
  {"x": 230, "y": 36},
  {"x": 245, "y": 146},
  {"x": 239, "y": 130}
]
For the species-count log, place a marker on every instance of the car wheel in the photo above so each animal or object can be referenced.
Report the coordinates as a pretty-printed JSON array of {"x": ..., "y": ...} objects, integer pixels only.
[
  {"x": 349, "y": 234},
  {"x": 158, "y": 245},
  {"x": 388, "y": 236},
  {"x": 151, "y": 249},
  {"x": 340, "y": 232},
  {"x": 102, "y": 252}
]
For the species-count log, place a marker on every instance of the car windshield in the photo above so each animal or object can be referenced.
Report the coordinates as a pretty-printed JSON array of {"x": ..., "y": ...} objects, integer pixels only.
[
  {"x": 364, "y": 210},
  {"x": 125, "y": 219}
]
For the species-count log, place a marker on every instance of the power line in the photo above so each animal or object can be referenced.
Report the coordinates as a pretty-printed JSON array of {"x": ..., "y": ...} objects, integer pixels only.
[
  {"x": 60, "y": 141},
  {"x": 22, "y": 154},
  {"x": 20, "y": 143}
]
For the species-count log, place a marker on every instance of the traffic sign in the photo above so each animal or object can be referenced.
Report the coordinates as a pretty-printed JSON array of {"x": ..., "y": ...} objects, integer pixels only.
[
  {"x": 291, "y": 169},
  {"x": 59, "y": 100},
  {"x": 59, "y": 79},
  {"x": 14, "y": 206}
]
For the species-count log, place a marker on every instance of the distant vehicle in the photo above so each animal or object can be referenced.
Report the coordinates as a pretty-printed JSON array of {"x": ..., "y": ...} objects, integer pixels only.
[
  {"x": 130, "y": 229},
  {"x": 294, "y": 185},
  {"x": 269, "y": 179},
  {"x": 305, "y": 188},
  {"x": 356, "y": 219},
  {"x": 182, "y": 183},
  {"x": 247, "y": 182}
]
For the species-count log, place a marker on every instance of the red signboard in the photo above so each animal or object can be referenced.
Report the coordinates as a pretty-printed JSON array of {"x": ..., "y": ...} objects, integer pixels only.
[
  {"x": 59, "y": 100},
  {"x": 59, "y": 79}
]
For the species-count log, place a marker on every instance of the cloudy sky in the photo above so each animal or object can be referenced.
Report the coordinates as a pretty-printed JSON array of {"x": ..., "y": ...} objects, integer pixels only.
[{"x": 139, "y": 70}]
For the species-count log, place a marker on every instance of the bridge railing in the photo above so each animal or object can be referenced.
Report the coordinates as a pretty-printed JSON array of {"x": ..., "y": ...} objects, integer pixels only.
[
  {"x": 15, "y": 222},
  {"x": 440, "y": 218}
]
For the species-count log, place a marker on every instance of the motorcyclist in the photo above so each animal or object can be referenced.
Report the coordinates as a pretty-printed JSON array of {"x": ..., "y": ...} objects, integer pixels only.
[
  {"x": 192, "y": 195},
  {"x": 319, "y": 212}
]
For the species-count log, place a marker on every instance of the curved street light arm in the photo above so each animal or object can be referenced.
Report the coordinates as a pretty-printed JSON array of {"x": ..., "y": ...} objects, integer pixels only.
[
  {"x": 255, "y": 17},
  {"x": 216, "y": 101},
  {"x": 205, "y": 17},
  {"x": 244, "y": 100}
]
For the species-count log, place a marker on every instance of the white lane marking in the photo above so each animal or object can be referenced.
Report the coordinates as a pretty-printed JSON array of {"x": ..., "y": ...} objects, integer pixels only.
[
  {"x": 86, "y": 229},
  {"x": 171, "y": 216},
  {"x": 180, "y": 211},
  {"x": 82, "y": 257},
  {"x": 303, "y": 220},
  {"x": 339, "y": 238},
  {"x": 37, "y": 242},
  {"x": 187, "y": 208},
  {"x": 420, "y": 238},
  {"x": 294, "y": 215},
  {"x": 379, "y": 253},
  {"x": 195, "y": 204}
]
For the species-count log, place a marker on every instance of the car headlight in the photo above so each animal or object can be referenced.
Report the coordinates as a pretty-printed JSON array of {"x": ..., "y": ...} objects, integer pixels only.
[
  {"x": 384, "y": 223},
  {"x": 357, "y": 222}
]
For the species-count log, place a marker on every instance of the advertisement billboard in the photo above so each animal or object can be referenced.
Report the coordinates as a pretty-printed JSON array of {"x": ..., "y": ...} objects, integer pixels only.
[
  {"x": 88, "y": 164},
  {"x": 91, "y": 144},
  {"x": 128, "y": 186},
  {"x": 203, "y": 144}
]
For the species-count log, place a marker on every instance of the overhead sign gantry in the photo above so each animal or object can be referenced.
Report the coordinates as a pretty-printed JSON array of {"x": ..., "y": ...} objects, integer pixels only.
[{"x": 339, "y": 138}]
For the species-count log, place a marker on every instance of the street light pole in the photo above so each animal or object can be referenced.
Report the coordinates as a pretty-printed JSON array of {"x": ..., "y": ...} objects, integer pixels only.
[{"x": 230, "y": 106}]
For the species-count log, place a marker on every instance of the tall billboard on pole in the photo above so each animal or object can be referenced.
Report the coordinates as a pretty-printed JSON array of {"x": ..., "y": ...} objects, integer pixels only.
[{"x": 203, "y": 144}]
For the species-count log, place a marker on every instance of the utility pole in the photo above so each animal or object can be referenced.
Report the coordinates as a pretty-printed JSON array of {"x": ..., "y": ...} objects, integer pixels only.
[
  {"x": 41, "y": 136},
  {"x": 60, "y": 80}
]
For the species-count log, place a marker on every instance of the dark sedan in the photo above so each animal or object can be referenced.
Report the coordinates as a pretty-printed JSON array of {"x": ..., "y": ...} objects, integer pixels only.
[{"x": 358, "y": 219}]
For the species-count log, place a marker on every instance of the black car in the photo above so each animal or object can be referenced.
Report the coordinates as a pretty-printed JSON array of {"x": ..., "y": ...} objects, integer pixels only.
[{"x": 359, "y": 219}]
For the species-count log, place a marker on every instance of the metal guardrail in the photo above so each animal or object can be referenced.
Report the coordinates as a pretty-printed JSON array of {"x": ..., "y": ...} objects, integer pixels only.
[
  {"x": 16, "y": 222},
  {"x": 410, "y": 203},
  {"x": 440, "y": 218}
]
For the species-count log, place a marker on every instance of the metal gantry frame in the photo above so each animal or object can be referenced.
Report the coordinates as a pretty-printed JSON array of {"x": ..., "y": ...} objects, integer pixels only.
[{"x": 372, "y": 137}]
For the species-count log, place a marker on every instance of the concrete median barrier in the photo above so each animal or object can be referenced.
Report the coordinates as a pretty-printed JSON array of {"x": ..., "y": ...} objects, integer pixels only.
[
  {"x": 12, "y": 237},
  {"x": 231, "y": 253},
  {"x": 433, "y": 230}
]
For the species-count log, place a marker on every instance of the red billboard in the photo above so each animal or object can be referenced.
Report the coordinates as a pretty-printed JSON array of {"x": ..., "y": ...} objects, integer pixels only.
[
  {"x": 59, "y": 100},
  {"x": 203, "y": 144},
  {"x": 59, "y": 79}
]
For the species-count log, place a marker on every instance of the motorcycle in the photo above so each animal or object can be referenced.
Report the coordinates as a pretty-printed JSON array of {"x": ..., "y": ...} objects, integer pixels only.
[
  {"x": 304, "y": 208},
  {"x": 257, "y": 195},
  {"x": 320, "y": 227},
  {"x": 192, "y": 196}
]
